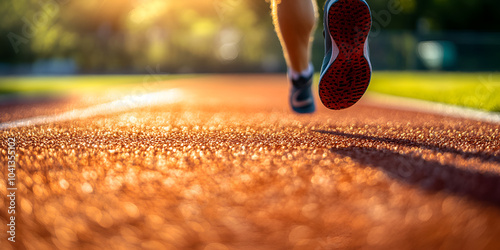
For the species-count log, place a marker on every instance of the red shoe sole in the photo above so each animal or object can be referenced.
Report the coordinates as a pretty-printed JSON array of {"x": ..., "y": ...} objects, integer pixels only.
[{"x": 347, "y": 78}]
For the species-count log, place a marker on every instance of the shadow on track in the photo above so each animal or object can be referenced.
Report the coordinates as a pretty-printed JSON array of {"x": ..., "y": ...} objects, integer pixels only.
[
  {"x": 485, "y": 157},
  {"x": 428, "y": 174}
]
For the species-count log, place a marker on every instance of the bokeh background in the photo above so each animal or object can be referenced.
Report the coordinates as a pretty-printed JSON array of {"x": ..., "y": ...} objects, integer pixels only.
[{"x": 199, "y": 36}]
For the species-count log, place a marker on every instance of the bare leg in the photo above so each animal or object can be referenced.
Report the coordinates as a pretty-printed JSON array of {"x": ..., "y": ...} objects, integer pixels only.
[{"x": 295, "y": 20}]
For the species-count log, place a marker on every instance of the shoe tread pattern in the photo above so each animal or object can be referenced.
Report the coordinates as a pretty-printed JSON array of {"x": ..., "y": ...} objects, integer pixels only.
[{"x": 347, "y": 78}]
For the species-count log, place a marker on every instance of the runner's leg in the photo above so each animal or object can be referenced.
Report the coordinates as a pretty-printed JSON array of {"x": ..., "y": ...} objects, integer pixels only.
[{"x": 295, "y": 21}]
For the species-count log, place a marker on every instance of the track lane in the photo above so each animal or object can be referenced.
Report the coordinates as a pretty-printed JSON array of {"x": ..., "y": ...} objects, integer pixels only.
[{"x": 229, "y": 166}]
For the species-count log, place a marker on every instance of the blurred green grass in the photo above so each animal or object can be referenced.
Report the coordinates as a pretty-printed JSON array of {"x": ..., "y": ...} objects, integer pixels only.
[
  {"x": 29, "y": 86},
  {"x": 473, "y": 90}
]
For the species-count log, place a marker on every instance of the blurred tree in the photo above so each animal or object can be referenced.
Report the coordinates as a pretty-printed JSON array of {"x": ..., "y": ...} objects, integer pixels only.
[{"x": 191, "y": 35}]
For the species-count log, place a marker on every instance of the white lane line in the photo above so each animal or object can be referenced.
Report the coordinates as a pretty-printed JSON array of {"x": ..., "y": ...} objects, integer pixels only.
[
  {"x": 127, "y": 103},
  {"x": 409, "y": 104}
]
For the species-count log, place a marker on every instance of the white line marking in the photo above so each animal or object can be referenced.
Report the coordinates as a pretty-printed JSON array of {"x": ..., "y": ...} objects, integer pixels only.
[
  {"x": 127, "y": 103},
  {"x": 409, "y": 104}
]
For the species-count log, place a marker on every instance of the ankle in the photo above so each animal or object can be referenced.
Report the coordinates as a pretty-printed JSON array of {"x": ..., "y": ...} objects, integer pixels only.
[{"x": 294, "y": 75}]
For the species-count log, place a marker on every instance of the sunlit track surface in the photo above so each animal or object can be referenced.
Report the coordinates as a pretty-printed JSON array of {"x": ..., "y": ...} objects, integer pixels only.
[{"x": 225, "y": 165}]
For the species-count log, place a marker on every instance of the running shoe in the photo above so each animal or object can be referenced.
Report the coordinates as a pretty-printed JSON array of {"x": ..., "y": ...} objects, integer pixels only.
[
  {"x": 346, "y": 70},
  {"x": 301, "y": 95}
]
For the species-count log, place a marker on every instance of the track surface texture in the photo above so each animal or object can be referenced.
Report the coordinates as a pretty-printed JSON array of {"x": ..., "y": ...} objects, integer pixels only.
[{"x": 229, "y": 166}]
